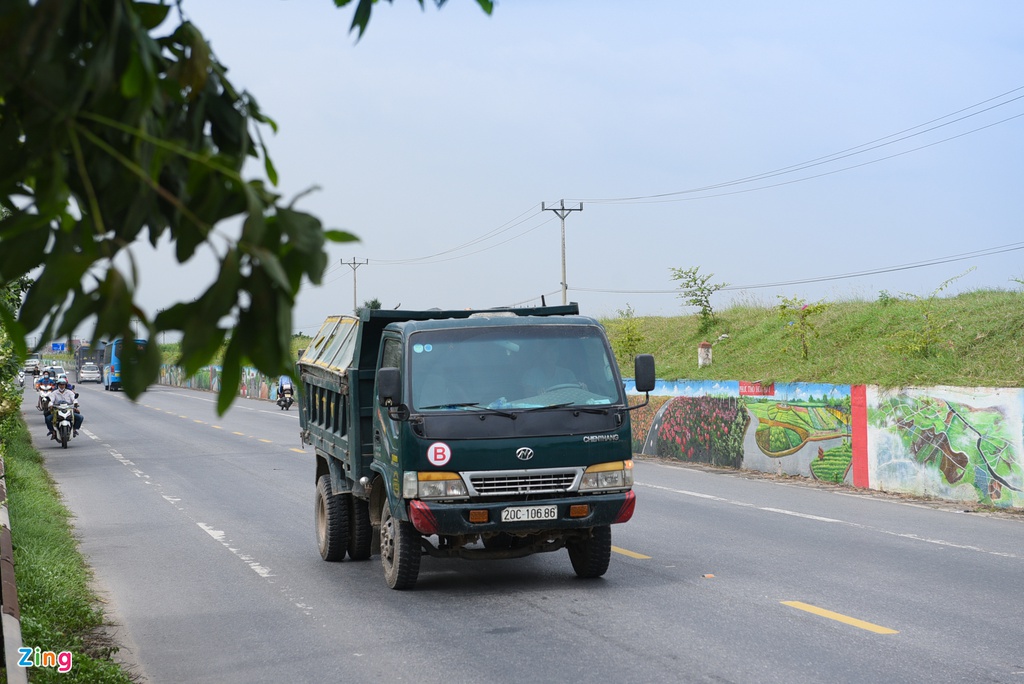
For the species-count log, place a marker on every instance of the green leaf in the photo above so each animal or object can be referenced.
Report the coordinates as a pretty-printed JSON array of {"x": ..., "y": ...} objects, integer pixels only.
[
  {"x": 231, "y": 375},
  {"x": 340, "y": 236},
  {"x": 222, "y": 295},
  {"x": 116, "y": 304},
  {"x": 362, "y": 16},
  {"x": 15, "y": 331},
  {"x": 151, "y": 15},
  {"x": 304, "y": 231},
  {"x": 268, "y": 165},
  {"x": 131, "y": 80},
  {"x": 24, "y": 241},
  {"x": 141, "y": 368}
]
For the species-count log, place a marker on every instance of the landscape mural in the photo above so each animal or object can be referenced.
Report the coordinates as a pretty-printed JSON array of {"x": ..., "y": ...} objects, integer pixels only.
[{"x": 951, "y": 443}]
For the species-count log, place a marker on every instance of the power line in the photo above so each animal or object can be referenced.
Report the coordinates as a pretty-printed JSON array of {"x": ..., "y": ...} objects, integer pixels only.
[
  {"x": 677, "y": 196},
  {"x": 821, "y": 279},
  {"x": 859, "y": 149},
  {"x": 505, "y": 227}
]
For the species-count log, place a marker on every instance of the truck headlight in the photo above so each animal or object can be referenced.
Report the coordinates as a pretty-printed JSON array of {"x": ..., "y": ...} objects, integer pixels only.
[
  {"x": 605, "y": 476},
  {"x": 440, "y": 486}
]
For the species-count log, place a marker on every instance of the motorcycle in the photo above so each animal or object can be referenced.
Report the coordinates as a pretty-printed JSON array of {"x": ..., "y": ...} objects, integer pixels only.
[
  {"x": 284, "y": 399},
  {"x": 63, "y": 421},
  {"x": 21, "y": 378},
  {"x": 43, "y": 402}
]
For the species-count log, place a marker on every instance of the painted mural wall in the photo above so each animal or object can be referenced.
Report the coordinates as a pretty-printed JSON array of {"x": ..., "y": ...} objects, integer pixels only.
[
  {"x": 254, "y": 385},
  {"x": 951, "y": 443}
]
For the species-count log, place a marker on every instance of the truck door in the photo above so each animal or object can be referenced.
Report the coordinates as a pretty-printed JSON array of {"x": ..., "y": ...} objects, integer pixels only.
[{"x": 386, "y": 430}]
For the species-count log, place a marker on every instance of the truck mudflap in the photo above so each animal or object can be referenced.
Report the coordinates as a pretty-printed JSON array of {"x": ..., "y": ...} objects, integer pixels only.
[{"x": 537, "y": 516}]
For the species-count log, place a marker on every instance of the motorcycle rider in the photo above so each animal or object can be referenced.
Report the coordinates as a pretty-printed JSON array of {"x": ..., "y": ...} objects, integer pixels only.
[
  {"x": 284, "y": 384},
  {"x": 62, "y": 393},
  {"x": 45, "y": 382}
]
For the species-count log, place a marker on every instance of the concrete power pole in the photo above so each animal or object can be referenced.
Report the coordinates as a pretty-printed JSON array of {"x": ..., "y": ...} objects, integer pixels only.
[
  {"x": 561, "y": 211},
  {"x": 354, "y": 264}
]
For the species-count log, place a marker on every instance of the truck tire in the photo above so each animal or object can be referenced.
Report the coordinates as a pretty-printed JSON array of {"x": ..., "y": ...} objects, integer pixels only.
[
  {"x": 590, "y": 556},
  {"x": 331, "y": 521},
  {"x": 399, "y": 550},
  {"x": 359, "y": 530}
]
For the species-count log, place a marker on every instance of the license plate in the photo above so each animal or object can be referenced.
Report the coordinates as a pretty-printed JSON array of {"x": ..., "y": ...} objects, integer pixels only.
[{"x": 528, "y": 513}]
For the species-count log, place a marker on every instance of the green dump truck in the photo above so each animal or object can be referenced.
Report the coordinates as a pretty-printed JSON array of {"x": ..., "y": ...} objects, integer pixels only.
[{"x": 472, "y": 434}]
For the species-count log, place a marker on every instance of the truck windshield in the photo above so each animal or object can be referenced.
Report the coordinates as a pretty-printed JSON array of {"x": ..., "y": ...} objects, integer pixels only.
[{"x": 510, "y": 367}]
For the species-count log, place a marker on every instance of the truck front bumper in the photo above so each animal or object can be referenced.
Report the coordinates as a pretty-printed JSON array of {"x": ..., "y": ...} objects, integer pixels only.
[{"x": 482, "y": 517}]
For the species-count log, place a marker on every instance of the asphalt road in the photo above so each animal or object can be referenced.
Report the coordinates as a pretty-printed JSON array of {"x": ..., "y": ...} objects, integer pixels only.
[{"x": 200, "y": 531}]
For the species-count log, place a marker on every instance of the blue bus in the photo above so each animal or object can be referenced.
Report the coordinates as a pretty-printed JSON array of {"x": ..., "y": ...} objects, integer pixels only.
[{"x": 112, "y": 362}]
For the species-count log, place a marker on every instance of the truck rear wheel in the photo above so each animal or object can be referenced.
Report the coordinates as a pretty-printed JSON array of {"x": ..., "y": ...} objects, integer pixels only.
[
  {"x": 399, "y": 550},
  {"x": 359, "y": 530},
  {"x": 590, "y": 556},
  {"x": 331, "y": 521}
]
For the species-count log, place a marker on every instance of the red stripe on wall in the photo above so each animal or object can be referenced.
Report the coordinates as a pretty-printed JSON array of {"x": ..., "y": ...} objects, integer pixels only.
[{"x": 859, "y": 426}]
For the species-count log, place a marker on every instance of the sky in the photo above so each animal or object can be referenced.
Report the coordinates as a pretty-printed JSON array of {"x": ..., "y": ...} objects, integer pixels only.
[{"x": 780, "y": 144}]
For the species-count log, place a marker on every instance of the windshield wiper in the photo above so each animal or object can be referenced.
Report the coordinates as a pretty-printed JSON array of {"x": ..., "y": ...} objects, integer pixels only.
[
  {"x": 567, "y": 404},
  {"x": 470, "y": 404}
]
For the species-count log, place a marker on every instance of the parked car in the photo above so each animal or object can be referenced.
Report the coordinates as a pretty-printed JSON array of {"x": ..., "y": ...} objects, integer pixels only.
[{"x": 90, "y": 373}]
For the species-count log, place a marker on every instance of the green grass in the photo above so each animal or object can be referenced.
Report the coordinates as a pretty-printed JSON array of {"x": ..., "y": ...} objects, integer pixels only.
[
  {"x": 977, "y": 340},
  {"x": 58, "y": 609}
]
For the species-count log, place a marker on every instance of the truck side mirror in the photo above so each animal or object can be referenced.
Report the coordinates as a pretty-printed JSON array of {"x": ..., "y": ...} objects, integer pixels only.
[
  {"x": 644, "y": 372},
  {"x": 389, "y": 387}
]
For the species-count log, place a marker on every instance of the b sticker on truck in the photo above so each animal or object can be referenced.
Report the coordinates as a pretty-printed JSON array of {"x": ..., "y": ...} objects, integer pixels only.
[{"x": 439, "y": 453}]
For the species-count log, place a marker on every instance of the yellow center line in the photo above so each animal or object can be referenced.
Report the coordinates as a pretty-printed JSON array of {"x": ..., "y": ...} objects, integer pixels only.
[
  {"x": 839, "y": 617},
  {"x": 298, "y": 451},
  {"x": 265, "y": 441},
  {"x": 185, "y": 417},
  {"x": 201, "y": 422},
  {"x": 216, "y": 427},
  {"x": 240, "y": 434},
  {"x": 631, "y": 554}
]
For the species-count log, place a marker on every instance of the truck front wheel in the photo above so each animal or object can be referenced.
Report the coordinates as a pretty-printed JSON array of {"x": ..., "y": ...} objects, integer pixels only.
[
  {"x": 331, "y": 521},
  {"x": 590, "y": 556},
  {"x": 399, "y": 550}
]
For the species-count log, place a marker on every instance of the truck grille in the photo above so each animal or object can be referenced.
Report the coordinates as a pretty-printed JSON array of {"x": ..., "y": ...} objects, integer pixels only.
[{"x": 502, "y": 483}]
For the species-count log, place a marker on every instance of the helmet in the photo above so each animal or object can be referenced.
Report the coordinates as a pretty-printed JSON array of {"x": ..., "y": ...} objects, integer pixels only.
[{"x": 62, "y": 380}]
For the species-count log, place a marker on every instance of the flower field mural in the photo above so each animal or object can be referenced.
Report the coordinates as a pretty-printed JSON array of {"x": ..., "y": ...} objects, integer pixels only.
[
  {"x": 702, "y": 429},
  {"x": 642, "y": 419},
  {"x": 957, "y": 444}
]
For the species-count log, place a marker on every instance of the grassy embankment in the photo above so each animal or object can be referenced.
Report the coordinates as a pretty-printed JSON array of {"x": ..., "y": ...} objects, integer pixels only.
[{"x": 972, "y": 340}]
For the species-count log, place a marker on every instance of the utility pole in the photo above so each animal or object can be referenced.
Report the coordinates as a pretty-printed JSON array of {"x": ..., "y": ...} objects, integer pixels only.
[
  {"x": 354, "y": 264},
  {"x": 562, "y": 211}
]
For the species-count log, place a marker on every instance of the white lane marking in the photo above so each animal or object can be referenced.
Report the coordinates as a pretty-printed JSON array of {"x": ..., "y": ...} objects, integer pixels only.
[
  {"x": 218, "y": 535},
  {"x": 818, "y": 518}
]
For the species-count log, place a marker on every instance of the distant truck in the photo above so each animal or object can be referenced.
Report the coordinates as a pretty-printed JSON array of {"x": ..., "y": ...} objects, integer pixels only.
[{"x": 472, "y": 434}]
